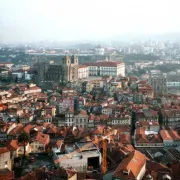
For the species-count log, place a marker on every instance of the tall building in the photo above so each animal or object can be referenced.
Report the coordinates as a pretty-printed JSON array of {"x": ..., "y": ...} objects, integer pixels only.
[
  {"x": 66, "y": 71},
  {"x": 105, "y": 67},
  {"x": 158, "y": 82}
]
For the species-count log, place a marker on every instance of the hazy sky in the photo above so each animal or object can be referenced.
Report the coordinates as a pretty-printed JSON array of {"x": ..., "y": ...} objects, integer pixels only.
[{"x": 31, "y": 20}]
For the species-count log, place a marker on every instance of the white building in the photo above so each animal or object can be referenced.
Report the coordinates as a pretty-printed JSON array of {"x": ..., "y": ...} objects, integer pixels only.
[
  {"x": 83, "y": 72},
  {"x": 27, "y": 76},
  {"x": 6, "y": 64},
  {"x": 99, "y": 50},
  {"x": 111, "y": 68},
  {"x": 19, "y": 75}
]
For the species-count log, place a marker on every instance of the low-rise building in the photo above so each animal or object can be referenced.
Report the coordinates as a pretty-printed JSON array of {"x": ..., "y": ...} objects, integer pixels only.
[
  {"x": 17, "y": 149},
  {"x": 5, "y": 158},
  {"x": 170, "y": 138},
  {"x": 171, "y": 117},
  {"x": 149, "y": 125},
  {"x": 144, "y": 138},
  {"x": 81, "y": 119},
  {"x": 131, "y": 168},
  {"x": 39, "y": 143},
  {"x": 82, "y": 160},
  {"x": 120, "y": 120},
  {"x": 83, "y": 72}
]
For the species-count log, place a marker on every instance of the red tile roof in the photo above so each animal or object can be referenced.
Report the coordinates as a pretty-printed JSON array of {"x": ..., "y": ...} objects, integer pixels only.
[
  {"x": 17, "y": 130},
  {"x": 43, "y": 138},
  {"x": 104, "y": 63},
  {"x": 3, "y": 150},
  {"x": 133, "y": 164},
  {"x": 28, "y": 128},
  {"x": 165, "y": 135},
  {"x": 13, "y": 145}
]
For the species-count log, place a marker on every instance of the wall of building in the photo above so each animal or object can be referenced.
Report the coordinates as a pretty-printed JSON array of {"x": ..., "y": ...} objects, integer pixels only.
[{"x": 5, "y": 161}]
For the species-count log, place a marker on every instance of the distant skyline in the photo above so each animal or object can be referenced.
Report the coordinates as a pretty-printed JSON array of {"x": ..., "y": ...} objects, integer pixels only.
[{"x": 71, "y": 20}]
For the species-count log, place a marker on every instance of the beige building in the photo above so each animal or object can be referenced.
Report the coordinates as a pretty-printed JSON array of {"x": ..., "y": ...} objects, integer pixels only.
[
  {"x": 83, "y": 72},
  {"x": 39, "y": 143},
  {"x": 81, "y": 119},
  {"x": 5, "y": 160}
]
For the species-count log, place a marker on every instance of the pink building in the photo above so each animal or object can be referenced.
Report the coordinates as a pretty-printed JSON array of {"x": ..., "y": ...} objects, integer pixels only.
[{"x": 66, "y": 103}]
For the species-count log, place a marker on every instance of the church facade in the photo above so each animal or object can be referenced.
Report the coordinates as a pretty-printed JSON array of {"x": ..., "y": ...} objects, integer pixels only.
[{"x": 64, "y": 72}]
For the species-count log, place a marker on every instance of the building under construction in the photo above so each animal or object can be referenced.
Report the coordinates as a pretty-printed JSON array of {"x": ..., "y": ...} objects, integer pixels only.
[{"x": 82, "y": 160}]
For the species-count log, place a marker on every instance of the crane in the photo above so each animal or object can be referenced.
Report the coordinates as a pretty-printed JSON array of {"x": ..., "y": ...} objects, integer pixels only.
[
  {"x": 104, "y": 160},
  {"x": 104, "y": 143}
]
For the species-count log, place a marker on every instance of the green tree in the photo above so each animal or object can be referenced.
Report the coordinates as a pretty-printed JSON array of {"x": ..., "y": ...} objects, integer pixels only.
[{"x": 24, "y": 139}]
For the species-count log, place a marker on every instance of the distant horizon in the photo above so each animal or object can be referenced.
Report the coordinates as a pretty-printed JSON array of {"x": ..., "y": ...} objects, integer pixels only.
[{"x": 118, "y": 38}]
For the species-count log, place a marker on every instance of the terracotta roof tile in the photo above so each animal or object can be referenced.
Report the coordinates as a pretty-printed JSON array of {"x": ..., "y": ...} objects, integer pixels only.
[
  {"x": 133, "y": 164},
  {"x": 3, "y": 150},
  {"x": 104, "y": 63}
]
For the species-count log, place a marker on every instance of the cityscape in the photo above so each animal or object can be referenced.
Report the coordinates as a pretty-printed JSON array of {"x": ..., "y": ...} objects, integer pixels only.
[{"x": 103, "y": 107}]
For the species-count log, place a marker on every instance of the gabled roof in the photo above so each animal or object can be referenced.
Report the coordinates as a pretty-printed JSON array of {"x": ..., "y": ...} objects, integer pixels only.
[
  {"x": 169, "y": 135},
  {"x": 41, "y": 137},
  {"x": 17, "y": 130},
  {"x": 28, "y": 128},
  {"x": 13, "y": 145},
  {"x": 132, "y": 164},
  {"x": 3, "y": 150}
]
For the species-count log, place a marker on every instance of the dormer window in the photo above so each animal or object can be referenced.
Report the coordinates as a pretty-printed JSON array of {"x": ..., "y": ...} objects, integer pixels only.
[{"x": 126, "y": 172}]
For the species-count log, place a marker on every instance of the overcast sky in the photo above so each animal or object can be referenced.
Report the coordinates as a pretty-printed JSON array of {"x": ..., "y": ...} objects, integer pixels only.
[{"x": 31, "y": 20}]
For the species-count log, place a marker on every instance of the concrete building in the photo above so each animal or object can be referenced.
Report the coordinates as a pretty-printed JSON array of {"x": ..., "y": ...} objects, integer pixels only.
[
  {"x": 105, "y": 67},
  {"x": 158, "y": 82},
  {"x": 82, "y": 160}
]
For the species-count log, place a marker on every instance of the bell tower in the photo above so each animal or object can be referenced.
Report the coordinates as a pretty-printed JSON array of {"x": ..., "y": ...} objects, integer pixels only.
[{"x": 74, "y": 60}]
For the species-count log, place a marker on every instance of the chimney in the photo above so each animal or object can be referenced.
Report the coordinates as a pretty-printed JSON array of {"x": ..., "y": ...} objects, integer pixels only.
[{"x": 149, "y": 177}]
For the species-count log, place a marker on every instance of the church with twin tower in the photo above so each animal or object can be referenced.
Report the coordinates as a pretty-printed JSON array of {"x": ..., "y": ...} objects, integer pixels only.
[{"x": 66, "y": 71}]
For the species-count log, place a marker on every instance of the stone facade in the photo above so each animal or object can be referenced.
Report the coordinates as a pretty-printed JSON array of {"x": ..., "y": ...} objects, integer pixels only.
[
  {"x": 159, "y": 84},
  {"x": 66, "y": 71}
]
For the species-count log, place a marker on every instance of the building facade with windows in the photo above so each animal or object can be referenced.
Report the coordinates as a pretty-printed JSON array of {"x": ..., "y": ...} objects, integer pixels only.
[
  {"x": 5, "y": 160},
  {"x": 83, "y": 72},
  {"x": 102, "y": 68}
]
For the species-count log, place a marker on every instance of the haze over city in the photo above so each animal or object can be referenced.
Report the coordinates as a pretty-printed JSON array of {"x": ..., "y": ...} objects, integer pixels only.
[{"x": 68, "y": 20}]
